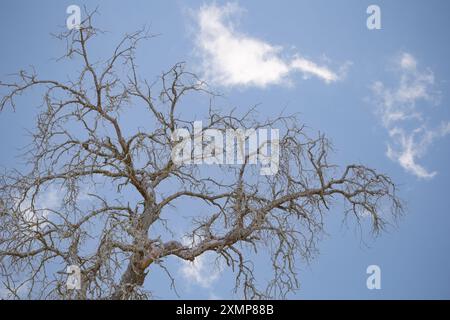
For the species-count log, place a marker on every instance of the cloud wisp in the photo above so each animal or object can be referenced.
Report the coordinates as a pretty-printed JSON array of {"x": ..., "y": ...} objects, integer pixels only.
[
  {"x": 200, "y": 271},
  {"x": 37, "y": 215},
  {"x": 231, "y": 58},
  {"x": 402, "y": 109}
]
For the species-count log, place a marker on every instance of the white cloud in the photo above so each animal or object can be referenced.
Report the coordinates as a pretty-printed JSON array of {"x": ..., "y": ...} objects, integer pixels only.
[
  {"x": 401, "y": 109},
  {"x": 412, "y": 145},
  {"x": 45, "y": 203},
  {"x": 201, "y": 271},
  {"x": 407, "y": 61},
  {"x": 204, "y": 270},
  {"x": 231, "y": 58},
  {"x": 310, "y": 68}
]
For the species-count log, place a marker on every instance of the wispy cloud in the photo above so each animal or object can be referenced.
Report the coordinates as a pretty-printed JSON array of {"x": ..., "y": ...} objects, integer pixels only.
[
  {"x": 37, "y": 216},
  {"x": 201, "y": 271},
  {"x": 402, "y": 111},
  {"x": 232, "y": 58},
  {"x": 204, "y": 270}
]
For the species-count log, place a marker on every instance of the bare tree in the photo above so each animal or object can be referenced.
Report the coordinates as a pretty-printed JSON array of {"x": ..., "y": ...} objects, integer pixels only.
[{"x": 81, "y": 150}]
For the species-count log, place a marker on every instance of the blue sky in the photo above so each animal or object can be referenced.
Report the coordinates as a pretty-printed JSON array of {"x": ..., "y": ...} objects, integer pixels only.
[{"x": 382, "y": 96}]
